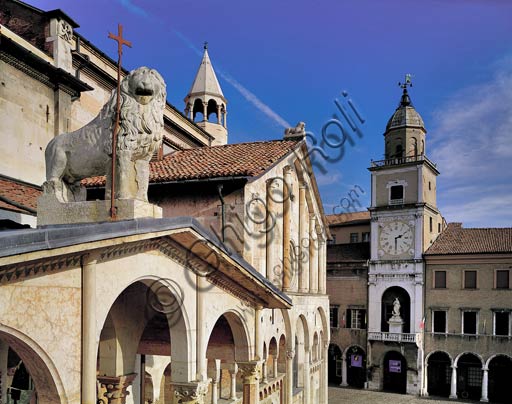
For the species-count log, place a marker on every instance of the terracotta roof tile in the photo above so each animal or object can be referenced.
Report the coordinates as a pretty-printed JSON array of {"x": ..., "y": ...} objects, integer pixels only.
[
  {"x": 348, "y": 218},
  {"x": 233, "y": 160},
  {"x": 457, "y": 240},
  {"x": 22, "y": 194}
]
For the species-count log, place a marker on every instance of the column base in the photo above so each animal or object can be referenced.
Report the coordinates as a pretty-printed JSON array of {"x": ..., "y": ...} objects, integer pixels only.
[{"x": 453, "y": 397}]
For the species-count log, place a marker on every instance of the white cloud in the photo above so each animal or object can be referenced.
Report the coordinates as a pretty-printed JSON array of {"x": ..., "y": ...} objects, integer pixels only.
[
  {"x": 128, "y": 4},
  {"x": 472, "y": 146}
]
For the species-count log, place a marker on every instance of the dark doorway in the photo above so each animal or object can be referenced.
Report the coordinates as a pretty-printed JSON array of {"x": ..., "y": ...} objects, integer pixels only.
[
  {"x": 334, "y": 364},
  {"x": 388, "y": 298},
  {"x": 356, "y": 367},
  {"x": 469, "y": 377},
  {"x": 500, "y": 369},
  {"x": 395, "y": 373},
  {"x": 439, "y": 374}
]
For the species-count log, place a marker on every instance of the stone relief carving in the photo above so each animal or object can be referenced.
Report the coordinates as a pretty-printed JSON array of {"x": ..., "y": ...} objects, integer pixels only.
[
  {"x": 298, "y": 131},
  {"x": 87, "y": 152},
  {"x": 65, "y": 31}
]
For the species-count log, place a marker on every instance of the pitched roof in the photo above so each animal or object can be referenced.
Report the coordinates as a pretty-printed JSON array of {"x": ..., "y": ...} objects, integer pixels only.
[
  {"x": 18, "y": 196},
  {"x": 457, "y": 240},
  {"x": 348, "y": 218},
  {"x": 232, "y": 160},
  {"x": 348, "y": 252},
  {"x": 206, "y": 81}
]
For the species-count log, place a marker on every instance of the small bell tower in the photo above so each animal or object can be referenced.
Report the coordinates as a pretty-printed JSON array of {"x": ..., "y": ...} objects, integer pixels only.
[{"x": 205, "y": 103}]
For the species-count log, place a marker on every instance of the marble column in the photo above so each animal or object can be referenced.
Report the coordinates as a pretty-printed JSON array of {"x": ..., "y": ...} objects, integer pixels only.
[
  {"x": 485, "y": 384},
  {"x": 225, "y": 119},
  {"x": 453, "y": 385},
  {"x": 287, "y": 193},
  {"x": 4, "y": 351},
  {"x": 218, "y": 114},
  {"x": 303, "y": 239},
  {"x": 89, "y": 354},
  {"x": 190, "y": 392},
  {"x": 251, "y": 373},
  {"x": 205, "y": 111},
  {"x": 274, "y": 366},
  {"x": 257, "y": 333},
  {"x": 321, "y": 264},
  {"x": 271, "y": 229},
  {"x": 233, "y": 373},
  {"x": 215, "y": 382},
  {"x": 325, "y": 380},
  {"x": 115, "y": 387},
  {"x": 344, "y": 371},
  {"x": 313, "y": 255},
  {"x": 201, "y": 343},
  {"x": 290, "y": 354},
  {"x": 264, "y": 369},
  {"x": 307, "y": 376},
  {"x": 424, "y": 393}
]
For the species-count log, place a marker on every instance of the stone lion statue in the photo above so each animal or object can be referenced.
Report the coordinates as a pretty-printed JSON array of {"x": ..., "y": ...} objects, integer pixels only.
[
  {"x": 298, "y": 131},
  {"x": 87, "y": 152}
]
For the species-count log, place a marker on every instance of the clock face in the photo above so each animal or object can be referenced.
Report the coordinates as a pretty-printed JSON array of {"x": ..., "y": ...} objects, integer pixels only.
[{"x": 396, "y": 238}]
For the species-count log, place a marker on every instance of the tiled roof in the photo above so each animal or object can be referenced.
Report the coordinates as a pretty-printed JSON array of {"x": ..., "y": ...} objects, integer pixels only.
[
  {"x": 457, "y": 240},
  {"x": 348, "y": 218},
  {"x": 348, "y": 252},
  {"x": 18, "y": 196},
  {"x": 233, "y": 160}
]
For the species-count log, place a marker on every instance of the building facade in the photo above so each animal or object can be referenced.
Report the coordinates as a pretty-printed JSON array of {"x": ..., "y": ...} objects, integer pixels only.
[{"x": 223, "y": 299}]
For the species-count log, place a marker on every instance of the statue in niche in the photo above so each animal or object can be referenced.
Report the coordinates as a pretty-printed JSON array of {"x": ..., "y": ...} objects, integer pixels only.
[
  {"x": 396, "y": 307},
  {"x": 87, "y": 152}
]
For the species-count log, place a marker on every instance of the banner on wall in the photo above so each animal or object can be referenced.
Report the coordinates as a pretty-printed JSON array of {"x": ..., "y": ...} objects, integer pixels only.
[{"x": 395, "y": 366}]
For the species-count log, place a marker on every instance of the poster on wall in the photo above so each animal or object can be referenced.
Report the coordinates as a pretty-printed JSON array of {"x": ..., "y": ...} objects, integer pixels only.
[
  {"x": 356, "y": 361},
  {"x": 395, "y": 366}
]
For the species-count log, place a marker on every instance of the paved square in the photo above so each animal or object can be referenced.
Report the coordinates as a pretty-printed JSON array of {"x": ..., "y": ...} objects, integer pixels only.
[{"x": 339, "y": 395}]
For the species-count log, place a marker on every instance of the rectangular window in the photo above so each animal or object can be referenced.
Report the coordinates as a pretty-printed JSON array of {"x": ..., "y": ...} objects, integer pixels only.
[
  {"x": 396, "y": 194},
  {"x": 502, "y": 323},
  {"x": 356, "y": 318},
  {"x": 334, "y": 316},
  {"x": 354, "y": 237},
  {"x": 366, "y": 237},
  {"x": 469, "y": 322},
  {"x": 502, "y": 279},
  {"x": 439, "y": 227},
  {"x": 469, "y": 279},
  {"x": 431, "y": 224},
  {"x": 439, "y": 321},
  {"x": 440, "y": 279}
]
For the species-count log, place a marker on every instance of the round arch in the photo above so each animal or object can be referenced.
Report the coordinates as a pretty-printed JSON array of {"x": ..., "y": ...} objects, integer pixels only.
[
  {"x": 439, "y": 371},
  {"x": 387, "y": 306},
  {"x": 488, "y": 362},
  {"x": 500, "y": 368},
  {"x": 334, "y": 363},
  {"x": 438, "y": 351},
  {"x": 288, "y": 332},
  {"x": 41, "y": 368},
  {"x": 457, "y": 358},
  {"x": 325, "y": 327},
  {"x": 240, "y": 332},
  {"x": 355, "y": 358},
  {"x": 469, "y": 375},
  {"x": 394, "y": 368}
]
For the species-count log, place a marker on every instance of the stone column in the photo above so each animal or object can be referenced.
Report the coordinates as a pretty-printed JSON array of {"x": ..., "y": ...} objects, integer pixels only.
[
  {"x": 264, "y": 368},
  {"x": 225, "y": 119},
  {"x": 303, "y": 236},
  {"x": 201, "y": 342},
  {"x": 251, "y": 375},
  {"x": 205, "y": 111},
  {"x": 321, "y": 264},
  {"x": 290, "y": 354},
  {"x": 89, "y": 354},
  {"x": 325, "y": 380},
  {"x": 258, "y": 349},
  {"x": 115, "y": 387},
  {"x": 218, "y": 114},
  {"x": 4, "y": 351},
  {"x": 287, "y": 264},
  {"x": 307, "y": 376},
  {"x": 313, "y": 255},
  {"x": 485, "y": 384},
  {"x": 453, "y": 385},
  {"x": 190, "y": 392},
  {"x": 233, "y": 373},
  {"x": 274, "y": 366},
  {"x": 424, "y": 393},
  {"x": 344, "y": 371},
  {"x": 215, "y": 382},
  {"x": 271, "y": 230}
]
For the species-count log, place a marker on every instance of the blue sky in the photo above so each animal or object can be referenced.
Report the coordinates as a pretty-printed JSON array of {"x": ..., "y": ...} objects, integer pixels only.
[{"x": 287, "y": 61}]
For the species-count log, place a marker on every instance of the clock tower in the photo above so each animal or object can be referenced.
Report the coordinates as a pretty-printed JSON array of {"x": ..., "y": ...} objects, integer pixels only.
[{"x": 404, "y": 222}]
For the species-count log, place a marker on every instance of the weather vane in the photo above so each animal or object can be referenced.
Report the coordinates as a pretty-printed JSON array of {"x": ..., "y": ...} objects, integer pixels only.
[
  {"x": 120, "y": 42},
  {"x": 407, "y": 82}
]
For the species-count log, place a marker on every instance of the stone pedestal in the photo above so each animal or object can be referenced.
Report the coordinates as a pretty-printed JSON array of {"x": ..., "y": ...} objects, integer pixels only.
[
  {"x": 114, "y": 388},
  {"x": 50, "y": 211},
  {"x": 396, "y": 325},
  {"x": 251, "y": 374}
]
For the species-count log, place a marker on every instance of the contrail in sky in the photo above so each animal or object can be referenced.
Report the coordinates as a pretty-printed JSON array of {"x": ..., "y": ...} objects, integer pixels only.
[{"x": 247, "y": 94}]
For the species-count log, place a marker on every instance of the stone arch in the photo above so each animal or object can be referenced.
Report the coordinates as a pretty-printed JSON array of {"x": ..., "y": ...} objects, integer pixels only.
[
  {"x": 315, "y": 347},
  {"x": 394, "y": 369},
  {"x": 197, "y": 107},
  {"x": 456, "y": 360},
  {"x": 499, "y": 367},
  {"x": 156, "y": 296},
  {"x": 439, "y": 351},
  {"x": 211, "y": 108},
  {"x": 469, "y": 375},
  {"x": 240, "y": 332},
  {"x": 335, "y": 355},
  {"x": 387, "y": 298},
  {"x": 439, "y": 370},
  {"x": 49, "y": 386},
  {"x": 323, "y": 317},
  {"x": 288, "y": 332},
  {"x": 488, "y": 361}
]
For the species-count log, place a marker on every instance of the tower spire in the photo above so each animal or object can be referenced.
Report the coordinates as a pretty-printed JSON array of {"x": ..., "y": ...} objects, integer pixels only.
[{"x": 206, "y": 99}]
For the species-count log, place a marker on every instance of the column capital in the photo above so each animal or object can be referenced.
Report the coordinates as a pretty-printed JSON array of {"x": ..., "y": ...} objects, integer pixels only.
[
  {"x": 190, "y": 392},
  {"x": 290, "y": 354},
  {"x": 485, "y": 368},
  {"x": 303, "y": 185},
  {"x": 251, "y": 371},
  {"x": 114, "y": 387}
]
